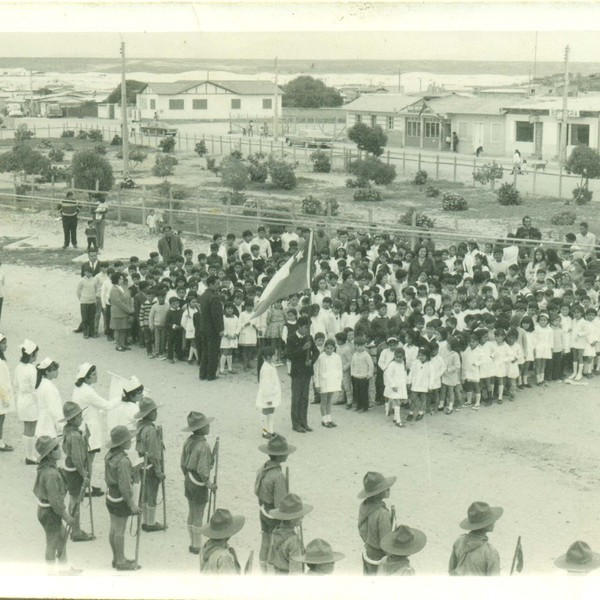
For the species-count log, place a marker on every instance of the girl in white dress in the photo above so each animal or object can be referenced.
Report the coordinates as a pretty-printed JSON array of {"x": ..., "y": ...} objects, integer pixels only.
[
  {"x": 247, "y": 338},
  {"x": 7, "y": 399},
  {"x": 229, "y": 341},
  {"x": 515, "y": 361},
  {"x": 528, "y": 345},
  {"x": 500, "y": 358},
  {"x": 395, "y": 382},
  {"x": 268, "y": 397},
  {"x": 97, "y": 407},
  {"x": 486, "y": 366},
  {"x": 328, "y": 380},
  {"x": 49, "y": 401},
  {"x": 27, "y": 407},
  {"x": 579, "y": 332},
  {"x": 543, "y": 341}
]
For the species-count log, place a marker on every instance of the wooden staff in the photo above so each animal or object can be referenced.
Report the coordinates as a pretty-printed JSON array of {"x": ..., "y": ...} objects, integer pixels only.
[
  {"x": 287, "y": 480},
  {"x": 393, "y": 517},
  {"x": 141, "y": 507},
  {"x": 212, "y": 500},
  {"x": 163, "y": 482},
  {"x": 518, "y": 553},
  {"x": 89, "y": 472},
  {"x": 69, "y": 528},
  {"x": 248, "y": 567}
]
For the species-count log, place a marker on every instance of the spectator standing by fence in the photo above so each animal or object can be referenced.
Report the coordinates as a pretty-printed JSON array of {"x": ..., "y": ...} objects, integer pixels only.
[
  {"x": 69, "y": 209},
  {"x": 99, "y": 211}
]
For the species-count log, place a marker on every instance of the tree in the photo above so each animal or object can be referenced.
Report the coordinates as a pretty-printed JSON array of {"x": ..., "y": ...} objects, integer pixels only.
[
  {"x": 282, "y": 174},
  {"x": 308, "y": 92},
  {"x": 88, "y": 167},
  {"x": 132, "y": 87},
  {"x": 373, "y": 169},
  {"x": 164, "y": 166},
  {"x": 369, "y": 139},
  {"x": 24, "y": 160},
  {"x": 167, "y": 144},
  {"x": 138, "y": 156},
  {"x": 584, "y": 161},
  {"x": 234, "y": 174}
]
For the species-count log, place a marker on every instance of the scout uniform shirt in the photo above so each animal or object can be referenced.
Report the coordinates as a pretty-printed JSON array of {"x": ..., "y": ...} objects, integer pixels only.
[
  {"x": 473, "y": 555},
  {"x": 270, "y": 487},
  {"x": 118, "y": 475},
  {"x": 284, "y": 544},
  {"x": 396, "y": 565},
  {"x": 75, "y": 449},
  {"x": 197, "y": 461},
  {"x": 218, "y": 558},
  {"x": 49, "y": 486},
  {"x": 148, "y": 445},
  {"x": 374, "y": 522}
]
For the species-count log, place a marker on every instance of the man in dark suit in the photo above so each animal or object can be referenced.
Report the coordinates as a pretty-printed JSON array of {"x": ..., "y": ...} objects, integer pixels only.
[
  {"x": 303, "y": 354},
  {"x": 170, "y": 245},
  {"x": 210, "y": 329}
]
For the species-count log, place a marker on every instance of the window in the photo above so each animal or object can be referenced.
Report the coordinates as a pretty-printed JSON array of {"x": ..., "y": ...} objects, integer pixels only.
[
  {"x": 579, "y": 135},
  {"x": 200, "y": 104},
  {"x": 236, "y": 104},
  {"x": 390, "y": 122},
  {"x": 464, "y": 131},
  {"x": 152, "y": 104},
  {"x": 524, "y": 131},
  {"x": 267, "y": 103},
  {"x": 373, "y": 120},
  {"x": 413, "y": 128},
  {"x": 143, "y": 103},
  {"x": 496, "y": 132},
  {"x": 175, "y": 104},
  {"x": 358, "y": 119},
  {"x": 432, "y": 129}
]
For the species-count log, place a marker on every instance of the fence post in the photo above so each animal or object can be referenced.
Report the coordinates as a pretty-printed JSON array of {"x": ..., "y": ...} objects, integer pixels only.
[
  {"x": 388, "y": 157},
  {"x": 249, "y": 145},
  {"x": 370, "y": 218},
  {"x": 97, "y": 186},
  {"x": 413, "y": 224},
  {"x": 534, "y": 177},
  {"x": 514, "y": 179},
  {"x": 282, "y": 150},
  {"x": 328, "y": 216},
  {"x": 271, "y": 146},
  {"x": 403, "y": 162},
  {"x": 560, "y": 176},
  {"x": 197, "y": 218},
  {"x": 419, "y": 162},
  {"x": 294, "y": 153},
  {"x": 212, "y": 144},
  {"x": 143, "y": 205},
  {"x": 48, "y": 129},
  {"x": 474, "y": 169},
  {"x": 260, "y": 144},
  {"x": 230, "y": 146},
  {"x": 454, "y": 175},
  {"x": 15, "y": 190},
  {"x": 52, "y": 186},
  {"x": 221, "y": 144},
  {"x": 228, "y": 219},
  {"x": 72, "y": 183},
  {"x": 258, "y": 210},
  {"x": 119, "y": 200},
  {"x": 437, "y": 166}
]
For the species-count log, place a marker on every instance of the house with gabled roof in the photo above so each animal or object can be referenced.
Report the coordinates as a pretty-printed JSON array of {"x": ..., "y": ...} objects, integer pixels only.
[{"x": 208, "y": 100}]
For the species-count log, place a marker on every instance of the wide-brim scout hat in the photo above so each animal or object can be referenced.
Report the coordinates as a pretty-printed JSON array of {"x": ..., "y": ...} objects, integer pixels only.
[
  {"x": 119, "y": 435},
  {"x": 291, "y": 507},
  {"x": 28, "y": 347},
  {"x": 375, "y": 483},
  {"x": 222, "y": 525},
  {"x": 132, "y": 384},
  {"x": 480, "y": 515},
  {"x": 147, "y": 405},
  {"x": 277, "y": 446},
  {"x": 318, "y": 552},
  {"x": 578, "y": 558},
  {"x": 196, "y": 420},
  {"x": 84, "y": 370},
  {"x": 403, "y": 541},
  {"x": 45, "y": 444},
  {"x": 70, "y": 411}
]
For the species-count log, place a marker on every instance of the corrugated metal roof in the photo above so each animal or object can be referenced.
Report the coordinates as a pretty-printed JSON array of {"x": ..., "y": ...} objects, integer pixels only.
[
  {"x": 240, "y": 87},
  {"x": 586, "y": 103},
  {"x": 477, "y": 105},
  {"x": 380, "y": 103}
]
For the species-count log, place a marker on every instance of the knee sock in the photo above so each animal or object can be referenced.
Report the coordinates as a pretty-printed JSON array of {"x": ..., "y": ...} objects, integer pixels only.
[
  {"x": 270, "y": 422},
  {"x": 500, "y": 391},
  {"x": 190, "y": 529},
  {"x": 574, "y": 373},
  {"x": 196, "y": 537},
  {"x": 230, "y": 362},
  {"x": 119, "y": 550},
  {"x": 222, "y": 362},
  {"x": 397, "y": 418},
  {"x": 477, "y": 399},
  {"x": 151, "y": 513},
  {"x": 579, "y": 371}
]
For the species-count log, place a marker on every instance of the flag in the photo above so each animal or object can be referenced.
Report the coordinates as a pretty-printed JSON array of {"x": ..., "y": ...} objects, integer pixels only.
[{"x": 292, "y": 278}]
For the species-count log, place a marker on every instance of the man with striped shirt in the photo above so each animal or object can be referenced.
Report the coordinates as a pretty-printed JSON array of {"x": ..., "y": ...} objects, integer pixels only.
[{"x": 69, "y": 209}]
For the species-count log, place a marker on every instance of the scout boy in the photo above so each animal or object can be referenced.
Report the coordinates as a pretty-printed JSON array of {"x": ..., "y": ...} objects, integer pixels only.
[
  {"x": 318, "y": 557},
  {"x": 399, "y": 545},
  {"x": 217, "y": 557}
]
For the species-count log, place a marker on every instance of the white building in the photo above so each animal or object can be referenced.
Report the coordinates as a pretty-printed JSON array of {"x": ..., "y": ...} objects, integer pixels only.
[{"x": 208, "y": 100}]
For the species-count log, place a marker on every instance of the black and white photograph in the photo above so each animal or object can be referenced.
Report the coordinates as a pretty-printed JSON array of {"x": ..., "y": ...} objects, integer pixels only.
[{"x": 295, "y": 289}]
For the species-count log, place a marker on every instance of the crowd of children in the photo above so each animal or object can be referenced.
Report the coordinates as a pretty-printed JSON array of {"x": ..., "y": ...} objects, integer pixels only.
[{"x": 422, "y": 330}]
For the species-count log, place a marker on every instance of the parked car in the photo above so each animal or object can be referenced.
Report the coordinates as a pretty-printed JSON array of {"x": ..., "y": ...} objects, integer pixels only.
[
  {"x": 157, "y": 128},
  {"x": 309, "y": 141},
  {"x": 53, "y": 111},
  {"x": 14, "y": 110}
]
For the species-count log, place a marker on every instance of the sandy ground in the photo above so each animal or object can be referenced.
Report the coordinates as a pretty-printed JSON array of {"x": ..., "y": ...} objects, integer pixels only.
[{"x": 536, "y": 457}]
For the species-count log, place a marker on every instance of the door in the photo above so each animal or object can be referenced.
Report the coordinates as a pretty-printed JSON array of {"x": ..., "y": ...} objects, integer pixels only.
[
  {"x": 477, "y": 135},
  {"x": 538, "y": 137}
]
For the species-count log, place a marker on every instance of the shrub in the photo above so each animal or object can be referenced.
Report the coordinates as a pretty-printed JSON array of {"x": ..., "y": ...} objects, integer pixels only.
[
  {"x": 234, "y": 173},
  {"x": 69, "y": 147},
  {"x": 420, "y": 177},
  {"x": 87, "y": 167},
  {"x": 422, "y": 221},
  {"x": 237, "y": 154},
  {"x": 360, "y": 182},
  {"x": 138, "y": 156},
  {"x": 367, "y": 195},
  {"x": 432, "y": 192},
  {"x": 46, "y": 144},
  {"x": 211, "y": 164},
  {"x": 321, "y": 162},
  {"x": 25, "y": 160},
  {"x": 59, "y": 174},
  {"x": 454, "y": 203},
  {"x": 23, "y": 133},
  {"x": 180, "y": 194},
  {"x": 67, "y": 133},
  {"x": 312, "y": 206},
  {"x": 23, "y": 189},
  {"x": 164, "y": 166},
  {"x": 56, "y": 155},
  {"x": 488, "y": 173},
  {"x": 117, "y": 140},
  {"x": 258, "y": 168},
  {"x": 373, "y": 169},
  {"x": 282, "y": 174},
  {"x": 127, "y": 184},
  {"x": 582, "y": 195},
  {"x": 566, "y": 217},
  {"x": 100, "y": 149},
  {"x": 200, "y": 148},
  {"x": 509, "y": 195},
  {"x": 164, "y": 188},
  {"x": 167, "y": 144},
  {"x": 83, "y": 134},
  {"x": 95, "y": 135},
  {"x": 234, "y": 198},
  {"x": 370, "y": 139}
]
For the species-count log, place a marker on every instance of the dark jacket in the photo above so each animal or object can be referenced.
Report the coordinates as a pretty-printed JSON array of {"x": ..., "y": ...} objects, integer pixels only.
[
  {"x": 301, "y": 360},
  {"x": 95, "y": 268},
  {"x": 210, "y": 320},
  {"x": 170, "y": 247}
]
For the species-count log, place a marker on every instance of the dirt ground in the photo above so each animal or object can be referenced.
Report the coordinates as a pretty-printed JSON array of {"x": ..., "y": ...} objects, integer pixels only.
[{"x": 536, "y": 457}]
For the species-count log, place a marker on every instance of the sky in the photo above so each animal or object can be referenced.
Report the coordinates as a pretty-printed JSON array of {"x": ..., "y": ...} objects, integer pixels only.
[{"x": 307, "y": 30}]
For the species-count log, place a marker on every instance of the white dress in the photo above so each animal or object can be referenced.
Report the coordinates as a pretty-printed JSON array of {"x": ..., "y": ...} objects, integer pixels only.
[
  {"x": 230, "y": 332},
  {"x": 543, "y": 341},
  {"x": 269, "y": 387},
  {"x": 247, "y": 336},
  {"x": 87, "y": 397},
  {"x": 24, "y": 386},
  {"x": 328, "y": 373},
  {"x": 7, "y": 397},
  {"x": 394, "y": 376},
  {"x": 50, "y": 409}
]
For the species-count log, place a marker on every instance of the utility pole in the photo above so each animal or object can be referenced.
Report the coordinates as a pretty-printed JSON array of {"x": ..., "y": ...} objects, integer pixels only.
[
  {"x": 276, "y": 107},
  {"x": 562, "y": 151},
  {"x": 31, "y": 93},
  {"x": 125, "y": 129},
  {"x": 535, "y": 56},
  {"x": 399, "y": 81}
]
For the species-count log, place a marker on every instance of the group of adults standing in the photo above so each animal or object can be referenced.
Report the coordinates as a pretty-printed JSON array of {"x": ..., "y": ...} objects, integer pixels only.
[{"x": 69, "y": 212}]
